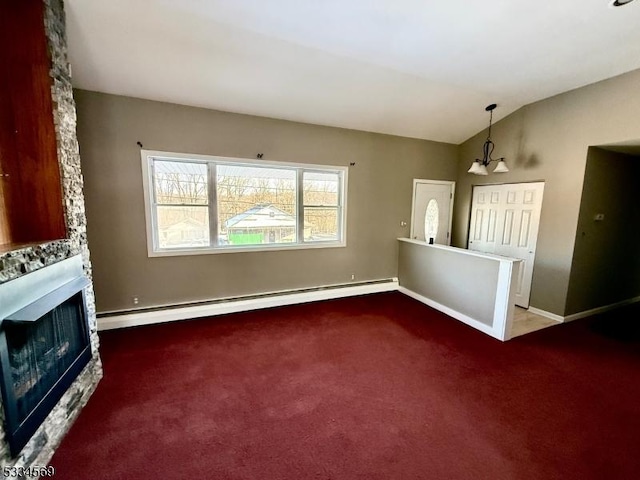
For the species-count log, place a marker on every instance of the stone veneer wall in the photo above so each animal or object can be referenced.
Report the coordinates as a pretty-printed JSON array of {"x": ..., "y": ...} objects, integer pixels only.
[{"x": 14, "y": 264}]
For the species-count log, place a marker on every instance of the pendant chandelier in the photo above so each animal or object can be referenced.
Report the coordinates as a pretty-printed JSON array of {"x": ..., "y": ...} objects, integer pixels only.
[{"x": 479, "y": 166}]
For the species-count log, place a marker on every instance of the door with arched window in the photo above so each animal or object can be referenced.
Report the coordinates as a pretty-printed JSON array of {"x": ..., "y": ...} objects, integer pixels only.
[{"x": 431, "y": 211}]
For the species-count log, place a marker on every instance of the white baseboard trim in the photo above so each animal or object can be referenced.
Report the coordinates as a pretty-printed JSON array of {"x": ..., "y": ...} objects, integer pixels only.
[
  {"x": 605, "y": 308},
  {"x": 472, "y": 322},
  {"x": 544, "y": 313},
  {"x": 221, "y": 307},
  {"x": 585, "y": 313}
]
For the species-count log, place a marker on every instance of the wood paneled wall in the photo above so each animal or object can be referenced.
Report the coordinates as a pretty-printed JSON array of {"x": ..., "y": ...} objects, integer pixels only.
[{"x": 31, "y": 209}]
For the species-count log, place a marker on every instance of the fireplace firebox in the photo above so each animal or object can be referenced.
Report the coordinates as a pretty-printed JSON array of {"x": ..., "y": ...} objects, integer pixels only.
[{"x": 44, "y": 345}]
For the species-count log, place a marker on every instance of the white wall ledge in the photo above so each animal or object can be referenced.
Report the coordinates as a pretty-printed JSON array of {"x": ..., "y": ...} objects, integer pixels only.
[
  {"x": 473, "y": 287},
  {"x": 462, "y": 251}
]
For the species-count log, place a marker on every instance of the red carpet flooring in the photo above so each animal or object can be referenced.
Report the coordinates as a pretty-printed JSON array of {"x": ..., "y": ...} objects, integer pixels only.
[{"x": 375, "y": 387}]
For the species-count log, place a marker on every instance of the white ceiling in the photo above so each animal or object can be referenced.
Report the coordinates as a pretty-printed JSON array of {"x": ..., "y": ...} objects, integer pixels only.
[{"x": 415, "y": 68}]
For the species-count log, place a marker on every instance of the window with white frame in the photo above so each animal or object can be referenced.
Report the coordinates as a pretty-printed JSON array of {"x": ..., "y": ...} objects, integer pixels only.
[{"x": 200, "y": 204}]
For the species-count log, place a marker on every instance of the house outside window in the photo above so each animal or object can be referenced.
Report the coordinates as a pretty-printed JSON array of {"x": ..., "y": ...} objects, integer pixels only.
[{"x": 200, "y": 204}]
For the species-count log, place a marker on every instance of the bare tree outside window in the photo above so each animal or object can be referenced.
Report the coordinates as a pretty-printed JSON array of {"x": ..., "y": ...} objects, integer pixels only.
[
  {"x": 321, "y": 203},
  {"x": 182, "y": 199}
]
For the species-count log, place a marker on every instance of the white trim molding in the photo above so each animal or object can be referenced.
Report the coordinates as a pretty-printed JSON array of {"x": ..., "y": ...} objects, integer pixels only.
[
  {"x": 224, "y": 306},
  {"x": 585, "y": 313},
  {"x": 597, "y": 310},
  {"x": 505, "y": 304},
  {"x": 544, "y": 313}
]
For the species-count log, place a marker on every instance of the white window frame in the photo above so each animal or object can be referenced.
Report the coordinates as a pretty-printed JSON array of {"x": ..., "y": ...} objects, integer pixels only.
[{"x": 153, "y": 250}]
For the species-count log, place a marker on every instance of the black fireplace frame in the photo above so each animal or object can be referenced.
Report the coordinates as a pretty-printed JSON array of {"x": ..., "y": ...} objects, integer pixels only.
[{"x": 18, "y": 432}]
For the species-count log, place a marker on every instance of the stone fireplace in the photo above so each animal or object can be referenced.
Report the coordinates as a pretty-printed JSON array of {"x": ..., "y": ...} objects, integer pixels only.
[
  {"x": 44, "y": 344},
  {"x": 53, "y": 261}
]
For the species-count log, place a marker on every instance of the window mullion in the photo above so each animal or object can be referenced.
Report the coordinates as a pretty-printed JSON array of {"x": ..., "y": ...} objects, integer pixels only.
[
  {"x": 154, "y": 204},
  {"x": 212, "y": 189},
  {"x": 300, "y": 204},
  {"x": 339, "y": 209}
]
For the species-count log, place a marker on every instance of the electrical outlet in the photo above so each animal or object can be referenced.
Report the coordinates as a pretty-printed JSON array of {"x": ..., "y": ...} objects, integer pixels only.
[
  {"x": 135, "y": 300},
  {"x": 353, "y": 276}
]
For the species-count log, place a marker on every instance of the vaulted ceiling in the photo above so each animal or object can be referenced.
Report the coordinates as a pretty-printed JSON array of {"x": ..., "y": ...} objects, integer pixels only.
[{"x": 415, "y": 68}]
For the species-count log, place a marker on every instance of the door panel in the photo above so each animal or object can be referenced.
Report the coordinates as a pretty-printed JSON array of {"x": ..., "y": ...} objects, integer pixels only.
[
  {"x": 515, "y": 210},
  {"x": 525, "y": 227},
  {"x": 491, "y": 226},
  {"x": 507, "y": 228}
]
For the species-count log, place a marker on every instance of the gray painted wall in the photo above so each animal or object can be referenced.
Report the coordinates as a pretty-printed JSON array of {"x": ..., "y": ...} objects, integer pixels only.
[
  {"x": 606, "y": 264},
  {"x": 451, "y": 279},
  {"x": 548, "y": 141},
  {"x": 379, "y": 198},
  {"x": 545, "y": 141}
]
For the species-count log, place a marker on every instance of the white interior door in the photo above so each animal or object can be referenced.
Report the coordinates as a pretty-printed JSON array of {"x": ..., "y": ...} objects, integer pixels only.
[
  {"x": 505, "y": 221},
  {"x": 431, "y": 211}
]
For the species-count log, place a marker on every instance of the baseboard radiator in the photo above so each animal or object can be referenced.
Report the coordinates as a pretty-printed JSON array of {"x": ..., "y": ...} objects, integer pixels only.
[{"x": 170, "y": 313}]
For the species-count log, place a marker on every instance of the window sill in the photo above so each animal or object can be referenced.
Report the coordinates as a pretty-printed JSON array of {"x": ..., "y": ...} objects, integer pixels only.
[{"x": 246, "y": 249}]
